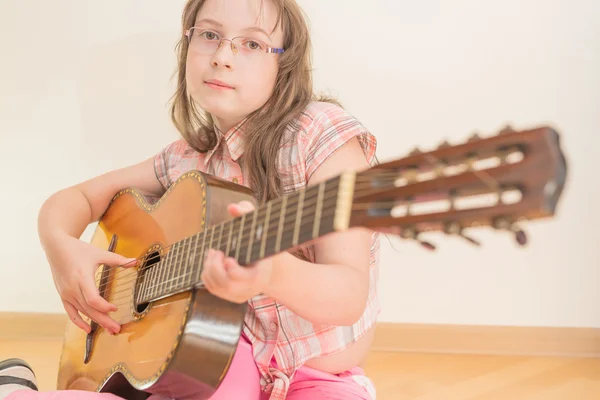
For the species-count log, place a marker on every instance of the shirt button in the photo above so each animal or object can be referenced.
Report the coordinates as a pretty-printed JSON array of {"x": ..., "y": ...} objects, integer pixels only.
[
  {"x": 235, "y": 180},
  {"x": 273, "y": 326}
]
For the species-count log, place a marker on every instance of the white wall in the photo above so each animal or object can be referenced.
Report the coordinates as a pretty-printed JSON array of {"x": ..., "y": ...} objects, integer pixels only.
[{"x": 84, "y": 88}]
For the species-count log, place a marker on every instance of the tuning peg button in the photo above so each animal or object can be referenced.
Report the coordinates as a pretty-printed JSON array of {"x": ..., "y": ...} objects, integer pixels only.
[
  {"x": 521, "y": 237},
  {"x": 429, "y": 246}
]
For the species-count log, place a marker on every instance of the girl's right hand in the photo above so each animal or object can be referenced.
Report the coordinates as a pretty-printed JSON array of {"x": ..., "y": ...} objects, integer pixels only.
[{"x": 73, "y": 263}]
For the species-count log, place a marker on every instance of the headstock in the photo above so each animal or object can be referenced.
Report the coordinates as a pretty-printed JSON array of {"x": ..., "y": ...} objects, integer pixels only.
[{"x": 497, "y": 182}]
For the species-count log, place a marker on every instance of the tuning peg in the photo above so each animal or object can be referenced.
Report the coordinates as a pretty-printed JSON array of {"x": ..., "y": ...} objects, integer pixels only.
[
  {"x": 506, "y": 129},
  {"x": 475, "y": 137},
  {"x": 453, "y": 228},
  {"x": 412, "y": 234},
  {"x": 415, "y": 152},
  {"x": 470, "y": 239},
  {"x": 504, "y": 224},
  {"x": 444, "y": 144}
]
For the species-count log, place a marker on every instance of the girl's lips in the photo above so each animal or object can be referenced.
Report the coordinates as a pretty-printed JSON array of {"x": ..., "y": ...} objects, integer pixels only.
[{"x": 216, "y": 84}]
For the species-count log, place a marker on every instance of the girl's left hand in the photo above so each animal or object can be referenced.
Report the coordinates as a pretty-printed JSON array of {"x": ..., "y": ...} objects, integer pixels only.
[{"x": 225, "y": 278}]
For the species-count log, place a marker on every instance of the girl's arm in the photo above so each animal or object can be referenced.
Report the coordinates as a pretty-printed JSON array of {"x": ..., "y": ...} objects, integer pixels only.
[
  {"x": 62, "y": 219},
  {"x": 334, "y": 289}
]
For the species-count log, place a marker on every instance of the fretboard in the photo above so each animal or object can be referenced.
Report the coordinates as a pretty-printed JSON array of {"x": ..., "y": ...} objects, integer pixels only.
[{"x": 277, "y": 226}]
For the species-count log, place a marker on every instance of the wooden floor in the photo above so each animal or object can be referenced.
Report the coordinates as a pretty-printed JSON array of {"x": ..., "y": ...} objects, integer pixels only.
[{"x": 416, "y": 376}]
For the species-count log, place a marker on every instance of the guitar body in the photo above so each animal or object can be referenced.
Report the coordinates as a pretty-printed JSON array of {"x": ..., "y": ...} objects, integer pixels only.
[{"x": 182, "y": 344}]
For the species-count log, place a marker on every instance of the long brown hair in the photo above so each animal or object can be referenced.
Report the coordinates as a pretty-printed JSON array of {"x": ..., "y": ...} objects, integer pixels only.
[{"x": 264, "y": 128}]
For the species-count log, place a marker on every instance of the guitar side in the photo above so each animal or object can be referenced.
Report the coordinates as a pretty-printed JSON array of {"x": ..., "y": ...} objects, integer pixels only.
[{"x": 181, "y": 344}]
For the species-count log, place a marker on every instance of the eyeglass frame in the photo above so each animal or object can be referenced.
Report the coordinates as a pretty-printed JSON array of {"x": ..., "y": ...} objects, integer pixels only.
[{"x": 270, "y": 50}]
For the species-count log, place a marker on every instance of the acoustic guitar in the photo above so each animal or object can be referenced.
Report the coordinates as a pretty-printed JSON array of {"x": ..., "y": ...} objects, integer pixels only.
[{"x": 178, "y": 340}]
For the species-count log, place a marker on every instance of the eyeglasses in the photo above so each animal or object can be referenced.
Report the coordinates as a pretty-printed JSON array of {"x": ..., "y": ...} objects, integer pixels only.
[{"x": 207, "y": 42}]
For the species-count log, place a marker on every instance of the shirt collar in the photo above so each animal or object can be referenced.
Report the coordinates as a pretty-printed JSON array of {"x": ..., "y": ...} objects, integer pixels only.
[{"x": 233, "y": 139}]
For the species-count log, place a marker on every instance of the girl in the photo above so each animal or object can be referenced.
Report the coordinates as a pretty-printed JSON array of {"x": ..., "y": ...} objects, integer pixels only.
[{"x": 246, "y": 112}]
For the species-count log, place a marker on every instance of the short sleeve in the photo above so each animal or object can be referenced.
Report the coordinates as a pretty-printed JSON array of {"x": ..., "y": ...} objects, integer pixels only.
[
  {"x": 330, "y": 129},
  {"x": 167, "y": 160}
]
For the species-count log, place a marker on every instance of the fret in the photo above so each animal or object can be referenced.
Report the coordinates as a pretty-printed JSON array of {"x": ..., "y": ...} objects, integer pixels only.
[
  {"x": 170, "y": 270},
  {"x": 178, "y": 264},
  {"x": 212, "y": 237},
  {"x": 280, "y": 227},
  {"x": 190, "y": 262},
  {"x": 259, "y": 232},
  {"x": 170, "y": 266},
  {"x": 300, "y": 206},
  {"x": 239, "y": 238},
  {"x": 220, "y": 236},
  {"x": 228, "y": 246},
  {"x": 153, "y": 280},
  {"x": 265, "y": 231},
  {"x": 200, "y": 263},
  {"x": 272, "y": 227},
  {"x": 318, "y": 211},
  {"x": 159, "y": 272},
  {"x": 167, "y": 270},
  {"x": 147, "y": 283},
  {"x": 141, "y": 288},
  {"x": 193, "y": 262},
  {"x": 185, "y": 259},
  {"x": 251, "y": 237},
  {"x": 308, "y": 215},
  {"x": 290, "y": 222}
]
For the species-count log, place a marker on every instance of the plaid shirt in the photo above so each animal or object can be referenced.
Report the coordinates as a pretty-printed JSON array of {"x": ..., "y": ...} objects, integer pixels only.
[{"x": 273, "y": 329}]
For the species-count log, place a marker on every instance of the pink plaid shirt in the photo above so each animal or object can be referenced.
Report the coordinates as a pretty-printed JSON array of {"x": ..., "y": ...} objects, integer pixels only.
[{"x": 273, "y": 329}]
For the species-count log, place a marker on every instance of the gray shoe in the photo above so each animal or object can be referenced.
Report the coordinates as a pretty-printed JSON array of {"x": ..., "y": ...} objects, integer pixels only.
[{"x": 15, "y": 371}]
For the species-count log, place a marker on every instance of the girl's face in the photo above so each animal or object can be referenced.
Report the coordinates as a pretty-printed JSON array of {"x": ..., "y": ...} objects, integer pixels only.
[{"x": 226, "y": 83}]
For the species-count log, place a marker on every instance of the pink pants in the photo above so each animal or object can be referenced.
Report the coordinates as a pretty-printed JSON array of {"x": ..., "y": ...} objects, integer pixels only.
[{"x": 242, "y": 382}]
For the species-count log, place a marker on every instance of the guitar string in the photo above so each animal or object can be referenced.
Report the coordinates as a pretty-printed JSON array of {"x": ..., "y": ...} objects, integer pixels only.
[
  {"x": 245, "y": 236},
  {"x": 308, "y": 202},
  {"x": 486, "y": 179},
  {"x": 483, "y": 176},
  {"x": 196, "y": 269},
  {"x": 362, "y": 181},
  {"x": 160, "y": 284},
  {"x": 127, "y": 295},
  {"x": 355, "y": 207}
]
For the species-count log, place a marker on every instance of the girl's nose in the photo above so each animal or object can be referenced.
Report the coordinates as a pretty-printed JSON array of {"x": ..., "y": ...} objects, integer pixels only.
[{"x": 224, "y": 54}]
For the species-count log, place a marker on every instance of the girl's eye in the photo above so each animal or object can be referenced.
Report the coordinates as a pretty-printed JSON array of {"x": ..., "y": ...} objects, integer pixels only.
[
  {"x": 253, "y": 45},
  {"x": 209, "y": 35}
]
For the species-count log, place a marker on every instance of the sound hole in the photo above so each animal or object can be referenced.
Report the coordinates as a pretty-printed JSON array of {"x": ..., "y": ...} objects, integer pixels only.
[{"x": 145, "y": 283}]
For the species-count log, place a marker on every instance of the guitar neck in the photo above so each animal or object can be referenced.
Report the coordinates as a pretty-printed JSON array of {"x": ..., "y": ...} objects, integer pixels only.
[{"x": 277, "y": 226}]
